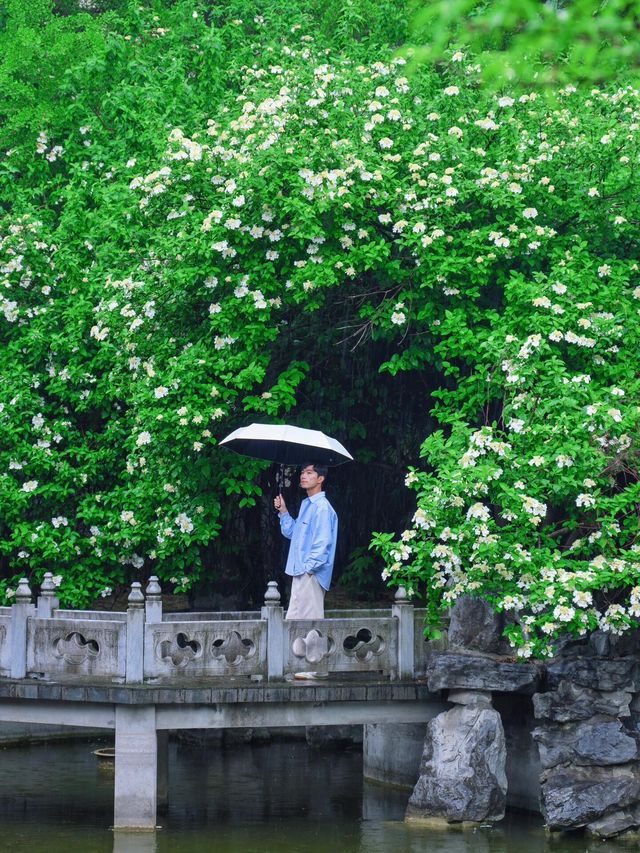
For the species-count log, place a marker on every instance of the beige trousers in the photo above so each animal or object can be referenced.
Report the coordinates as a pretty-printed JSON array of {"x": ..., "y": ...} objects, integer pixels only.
[{"x": 307, "y": 598}]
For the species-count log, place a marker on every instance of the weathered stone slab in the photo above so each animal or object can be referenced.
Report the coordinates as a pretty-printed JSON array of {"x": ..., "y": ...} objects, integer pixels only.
[
  {"x": 615, "y": 823},
  {"x": 618, "y": 674},
  {"x": 576, "y": 796},
  {"x": 455, "y": 671},
  {"x": 462, "y": 773},
  {"x": 573, "y": 702},
  {"x": 469, "y": 697},
  {"x": 601, "y": 742},
  {"x": 474, "y": 625}
]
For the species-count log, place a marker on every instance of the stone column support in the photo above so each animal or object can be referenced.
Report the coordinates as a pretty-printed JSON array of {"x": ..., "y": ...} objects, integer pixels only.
[
  {"x": 135, "y": 635},
  {"x": 273, "y": 613},
  {"x": 47, "y": 600},
  {"x": 153, "y": 603},
  {"x": 403, "y": 612},
  {"x": 136, "y": 776},
  {"x": 163, "y": 771},
  {"x": 20, "y": 613}
]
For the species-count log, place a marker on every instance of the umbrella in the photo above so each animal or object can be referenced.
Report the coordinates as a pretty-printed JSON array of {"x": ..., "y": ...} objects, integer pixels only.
[{"x": 288, "y": 445}]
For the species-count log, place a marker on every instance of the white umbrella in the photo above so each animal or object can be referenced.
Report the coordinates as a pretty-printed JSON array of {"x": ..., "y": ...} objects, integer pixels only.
[{"x": 288, "y": 445}]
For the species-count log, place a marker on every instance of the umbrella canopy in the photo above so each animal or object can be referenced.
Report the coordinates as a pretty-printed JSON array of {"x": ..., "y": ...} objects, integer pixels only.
[{"x": 289, "y": 445}]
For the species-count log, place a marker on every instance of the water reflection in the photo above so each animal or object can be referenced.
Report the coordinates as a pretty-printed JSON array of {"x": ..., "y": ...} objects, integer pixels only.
[{"x": 273, "y": 798}]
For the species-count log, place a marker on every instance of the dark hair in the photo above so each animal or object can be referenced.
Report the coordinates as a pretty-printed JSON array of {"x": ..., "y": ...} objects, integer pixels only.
[{"x": 321, "y": 470}]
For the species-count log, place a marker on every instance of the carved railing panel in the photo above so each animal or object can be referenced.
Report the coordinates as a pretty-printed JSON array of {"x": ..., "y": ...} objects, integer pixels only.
[
  {"x": 76, "y": 647},
  {"x": 350, "y": 645},
  {"x": 5, "y": 640},
  {"x": 204, "y": 649}
]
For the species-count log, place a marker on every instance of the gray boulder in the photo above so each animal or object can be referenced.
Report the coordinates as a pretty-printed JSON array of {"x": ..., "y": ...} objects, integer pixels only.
[
  {"x": 615, "y": 823},
  {"x": 462, "y": 773},
  {"x": 575, "y": 796},
  {"x": 474, "y": 625},
  {"x": 573, "y": 702},
  {"x": 457, "y": 671},
  {"x": 601, "y": 742},
  {"x": 598, "y": 674}
]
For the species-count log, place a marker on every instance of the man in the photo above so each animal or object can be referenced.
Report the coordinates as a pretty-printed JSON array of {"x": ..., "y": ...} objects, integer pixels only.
[{"x": 312, "y": 551}]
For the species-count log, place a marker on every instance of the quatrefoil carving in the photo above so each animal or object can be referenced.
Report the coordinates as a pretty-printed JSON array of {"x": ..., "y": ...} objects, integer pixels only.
[
  {"x": 75, "y": 648},
  {"x": 364, "y": 645},
  {"x": 314, "y": 647},
  {"x": 180, "y": 651},
  {"x": 233, "y": 648}
]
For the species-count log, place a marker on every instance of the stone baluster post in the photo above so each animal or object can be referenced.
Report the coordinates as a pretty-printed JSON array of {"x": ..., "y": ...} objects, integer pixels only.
[
  {"x": 153, "y": 604},
  {"x": 20, "y": 612},
  {"x": 135, "y": 635},
  {"x": 273, "y": 613},
  {"x": 402, "y": 609},
  {"x": 48, "y": 601}
]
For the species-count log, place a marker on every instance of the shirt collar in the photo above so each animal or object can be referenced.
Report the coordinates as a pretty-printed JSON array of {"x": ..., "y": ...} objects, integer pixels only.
[{"x": 316, "y": 497}]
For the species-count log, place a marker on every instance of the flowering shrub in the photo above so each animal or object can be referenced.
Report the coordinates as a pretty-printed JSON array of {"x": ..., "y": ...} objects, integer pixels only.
[{"x": 152, "y": 271}]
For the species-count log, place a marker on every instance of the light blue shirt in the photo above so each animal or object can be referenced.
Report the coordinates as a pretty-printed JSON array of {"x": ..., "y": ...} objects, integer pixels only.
[{"x": 313, "y": 537}]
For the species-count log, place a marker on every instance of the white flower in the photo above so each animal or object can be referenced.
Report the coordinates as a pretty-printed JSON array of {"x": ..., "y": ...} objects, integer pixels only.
[
  {"x": 30, "y": 486},
  {"x": 143, "y": 438},
  {"x": 563, "y": 614},
  {"x": 160, "y": 392},
  {"x": 582, "y": 599},
  {"x": 478, "y": 510},
  {"x": 615, "y": 414},
  {"x": 184, "y": 522},
  {"x": 215, "y": 308},
  {"x": 585, "y": 500},
  {"x": 60, "y": 521},
  {"x": 537, "y": 461},
  {"x": 592, "y": 192},
  {"x": 564, "y": 461},
  {"x": 451, "y": 90},
  {"x": 604, "y": 271},
  {"x": 385, "y": 142},
  {"x": 529, "y": 213},
  {"x": 506, "y": 102},
  {"x": 398, "y": 318}
]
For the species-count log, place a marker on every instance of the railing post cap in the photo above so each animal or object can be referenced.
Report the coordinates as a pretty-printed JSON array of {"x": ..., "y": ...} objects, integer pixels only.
[
  {"x": 47, "y": 587},
  {"x": 136, "y": 597},
  {"x": 23, "y": 593},
  {"x": 153, "y": 589},
  {"x": 401, "y": 596},
  {"x": 272, "y": 595}
]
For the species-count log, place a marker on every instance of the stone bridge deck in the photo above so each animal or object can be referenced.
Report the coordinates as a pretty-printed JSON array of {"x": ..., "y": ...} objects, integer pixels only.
[{"x": 142, "y": 675}]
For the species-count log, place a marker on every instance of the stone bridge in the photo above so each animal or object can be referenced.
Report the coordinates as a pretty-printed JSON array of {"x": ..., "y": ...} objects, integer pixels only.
[{"x": 144, "y": 673}]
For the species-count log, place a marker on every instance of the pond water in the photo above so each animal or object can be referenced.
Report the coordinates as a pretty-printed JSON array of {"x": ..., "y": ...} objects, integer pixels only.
[{"x": 271, "y": 798}]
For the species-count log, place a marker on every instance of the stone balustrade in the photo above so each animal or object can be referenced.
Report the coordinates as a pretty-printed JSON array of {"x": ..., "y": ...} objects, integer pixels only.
[{"x": 143, "y": 645}]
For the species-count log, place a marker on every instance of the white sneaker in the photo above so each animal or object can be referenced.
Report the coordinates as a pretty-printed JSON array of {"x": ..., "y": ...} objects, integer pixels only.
[{"x": 310, "y": 676}]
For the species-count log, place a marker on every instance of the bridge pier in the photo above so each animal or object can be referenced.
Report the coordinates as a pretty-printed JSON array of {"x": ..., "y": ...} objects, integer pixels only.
[
  {"x": 162, "y": 794},
  {"x": 136, "y": 770}
]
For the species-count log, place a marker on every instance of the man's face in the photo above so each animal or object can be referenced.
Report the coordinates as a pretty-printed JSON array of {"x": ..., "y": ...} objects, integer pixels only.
[{"x": 309, "y": 478}]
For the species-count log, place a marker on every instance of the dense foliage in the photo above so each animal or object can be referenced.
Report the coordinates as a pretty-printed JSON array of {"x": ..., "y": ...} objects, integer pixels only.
[
  {"x": 542, "y": 44},
  {"x": 207, "y": 212}
]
